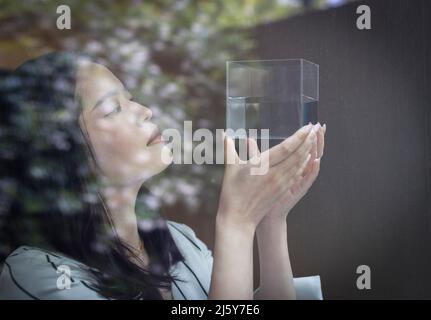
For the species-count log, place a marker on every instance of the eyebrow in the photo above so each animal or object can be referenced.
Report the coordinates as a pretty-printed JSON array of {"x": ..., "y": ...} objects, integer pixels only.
[{"x": 108, "y": 95}]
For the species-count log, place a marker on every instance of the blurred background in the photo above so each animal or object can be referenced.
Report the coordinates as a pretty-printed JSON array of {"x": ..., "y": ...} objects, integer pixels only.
[{"x": 371, "y": 203}]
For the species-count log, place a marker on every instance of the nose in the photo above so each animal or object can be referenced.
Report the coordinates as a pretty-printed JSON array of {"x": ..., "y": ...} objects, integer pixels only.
[
  {"x": 148, "y": 114},
  {"x": 143, "y": 114}
]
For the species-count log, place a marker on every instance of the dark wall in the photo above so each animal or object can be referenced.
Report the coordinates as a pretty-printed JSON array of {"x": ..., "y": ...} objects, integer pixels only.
[{"x": 371, "y": 203}]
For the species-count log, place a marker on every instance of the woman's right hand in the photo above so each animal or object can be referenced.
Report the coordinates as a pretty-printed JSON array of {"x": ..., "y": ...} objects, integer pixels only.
[{"x": 246, "y": 198}]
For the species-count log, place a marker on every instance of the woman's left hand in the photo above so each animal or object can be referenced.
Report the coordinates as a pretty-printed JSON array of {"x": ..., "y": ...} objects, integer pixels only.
[{"x": 280, "y": 211}]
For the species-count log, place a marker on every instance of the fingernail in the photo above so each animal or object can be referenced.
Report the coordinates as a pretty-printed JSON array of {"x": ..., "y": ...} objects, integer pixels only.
[
  {"x": 324, "y": 127},
  {"x": 316, "y": 127},
  {"x": 308, "y": 127}
]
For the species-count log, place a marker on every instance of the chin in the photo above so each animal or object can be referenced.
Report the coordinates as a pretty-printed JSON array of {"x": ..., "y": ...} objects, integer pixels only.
[
  {"x": 166, "y": 157},
  {"x": 160, "y": 158},
  {"x": 160, "y": 162},
  {"x": 145, "y": 174}
]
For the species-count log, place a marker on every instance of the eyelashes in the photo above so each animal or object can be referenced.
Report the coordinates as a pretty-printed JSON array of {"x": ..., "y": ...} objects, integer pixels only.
[
  {"x": 118, "y": 107},
  {"x": 116, "y": 110}
]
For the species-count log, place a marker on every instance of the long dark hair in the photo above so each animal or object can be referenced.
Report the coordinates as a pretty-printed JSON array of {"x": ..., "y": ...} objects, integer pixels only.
[{"x": 55, "y": 202}]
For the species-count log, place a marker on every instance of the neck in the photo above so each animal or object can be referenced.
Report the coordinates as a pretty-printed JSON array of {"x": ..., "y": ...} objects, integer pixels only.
[{"x": 121, "y": 200}]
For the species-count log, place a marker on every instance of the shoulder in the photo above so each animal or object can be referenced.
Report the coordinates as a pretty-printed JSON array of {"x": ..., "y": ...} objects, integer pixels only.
[
  {"x": 193, "y": 249},
  {"x": 38, "y": 258},
  {"x": 185, "y": 236},
  {"x": 180, "y": 227},
  {"x": 35, "y": 273},
  {"x": 196, "y": 268}
]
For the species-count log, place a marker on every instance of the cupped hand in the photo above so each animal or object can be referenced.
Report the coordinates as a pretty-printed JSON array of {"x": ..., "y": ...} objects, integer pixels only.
[
  {"x": 246, "y": 198},
  {"x": 301, "y": 184}
]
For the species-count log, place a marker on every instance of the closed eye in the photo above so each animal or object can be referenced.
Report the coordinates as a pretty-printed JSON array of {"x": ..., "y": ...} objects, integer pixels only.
[{"x": 116, "y": 110}]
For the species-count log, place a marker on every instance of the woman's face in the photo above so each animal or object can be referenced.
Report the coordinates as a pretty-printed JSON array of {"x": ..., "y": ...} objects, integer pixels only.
[{"x": 126, "y": 144}]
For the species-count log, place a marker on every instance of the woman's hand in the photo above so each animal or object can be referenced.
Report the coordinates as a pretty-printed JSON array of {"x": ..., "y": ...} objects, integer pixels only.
[
  {"x": 276, "y": 277},
  {"x": 245, "y": 198},
  {"x": 291, "y": 197}
]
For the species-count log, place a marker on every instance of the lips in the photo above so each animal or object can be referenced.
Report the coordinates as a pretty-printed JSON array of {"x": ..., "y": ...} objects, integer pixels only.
[{"x": 155, "y": 137}]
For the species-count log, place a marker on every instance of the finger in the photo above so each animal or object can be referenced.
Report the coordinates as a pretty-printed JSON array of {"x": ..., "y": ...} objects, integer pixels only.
[
  {"x": 296, "y": 160},
  {"x": 313, "y": 157},
  {"x": 253, "y": 149},
  {"x": 296, "y": 187},
  {"x": 323, "y": 144},
  {"x": 312, "y": 175},
  {"x": 230, "y": 155},
  {"x": 289, "y": 178},
  {"x": 302, "y": 185},
  {"x": 286, "y": 148},
  {"x": 302, "y": 167},
  {"x": 320, "y": 142},
  {"x": 242, "y": 150}
]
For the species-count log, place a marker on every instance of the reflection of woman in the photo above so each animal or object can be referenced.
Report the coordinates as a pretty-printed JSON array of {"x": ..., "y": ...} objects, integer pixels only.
[{"x": 102, "y": 146}]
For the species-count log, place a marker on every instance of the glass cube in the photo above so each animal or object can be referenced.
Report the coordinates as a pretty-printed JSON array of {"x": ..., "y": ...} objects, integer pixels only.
[{"x": 279, "y": 95}]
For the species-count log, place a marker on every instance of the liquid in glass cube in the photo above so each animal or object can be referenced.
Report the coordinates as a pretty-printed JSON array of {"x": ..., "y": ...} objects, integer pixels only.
[{"x": 279, "y": 95}]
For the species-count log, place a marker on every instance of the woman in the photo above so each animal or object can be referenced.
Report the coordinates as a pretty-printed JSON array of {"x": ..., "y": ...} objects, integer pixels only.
[{"x": 91, "y": 244}]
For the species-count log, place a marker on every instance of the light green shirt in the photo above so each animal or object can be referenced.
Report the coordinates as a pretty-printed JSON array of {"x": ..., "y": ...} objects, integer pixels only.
[{"x": 33, "y": 273}]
